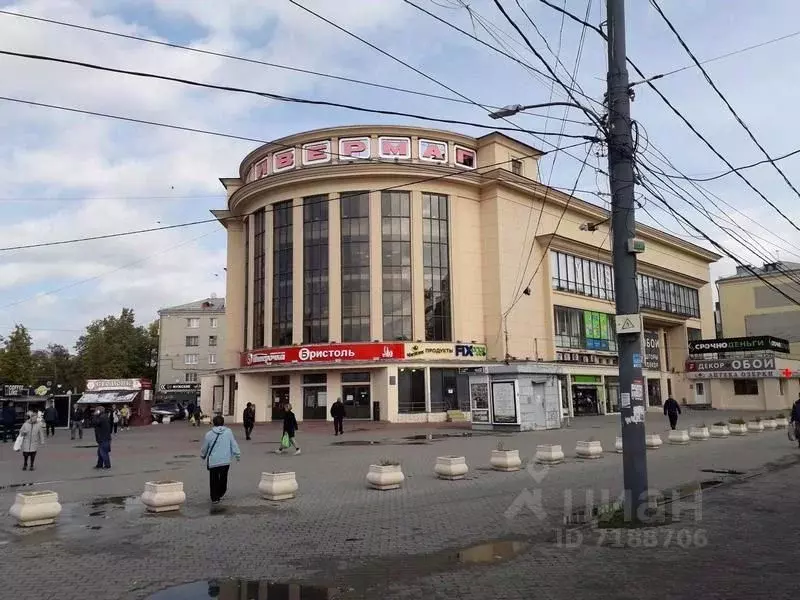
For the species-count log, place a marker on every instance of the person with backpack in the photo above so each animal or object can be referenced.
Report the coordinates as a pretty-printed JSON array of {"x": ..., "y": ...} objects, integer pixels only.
[
  {"x": 289, "y": 429},
  {"x": 218, "y": 449}
]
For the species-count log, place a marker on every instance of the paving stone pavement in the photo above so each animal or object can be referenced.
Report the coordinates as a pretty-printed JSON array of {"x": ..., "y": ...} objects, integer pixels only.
[{"x": 401, "y": 544}]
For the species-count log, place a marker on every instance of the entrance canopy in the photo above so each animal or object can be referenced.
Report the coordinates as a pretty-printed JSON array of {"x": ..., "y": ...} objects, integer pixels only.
[{"x": 118, "y": 397}]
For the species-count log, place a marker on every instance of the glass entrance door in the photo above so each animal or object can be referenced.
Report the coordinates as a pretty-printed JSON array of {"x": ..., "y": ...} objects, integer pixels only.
[
  {"x": 315, "y": 402},
  {"x": 280, "y": 398},
  {"x": 356, "y": 399}
]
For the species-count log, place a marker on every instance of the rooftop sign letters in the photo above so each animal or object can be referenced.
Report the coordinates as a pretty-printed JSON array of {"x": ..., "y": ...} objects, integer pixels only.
[
  {"x": 351, "y": 149},
  {"x": 741, "y": 344}
]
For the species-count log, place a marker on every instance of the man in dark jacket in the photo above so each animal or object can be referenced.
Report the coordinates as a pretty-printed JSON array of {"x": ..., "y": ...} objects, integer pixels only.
[
  {"x": 337, "y": 412},
  {"x": 672, "y": 409},
  {"x": 289, "y": 428},
  {"x": 76, "y": 422},
  {"x": 249, "y": 418},
  {"x": 9, "y": 421},
  {"x": 102, "y": 435},
  {"x": 794, "y": 420},
  {"x": 50, "y": 419}
]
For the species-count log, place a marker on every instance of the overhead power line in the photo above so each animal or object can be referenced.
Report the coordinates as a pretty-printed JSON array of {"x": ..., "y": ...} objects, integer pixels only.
[
  {"x": 251, "y": 60},
  {"x": 325, "y": 200},
  {"x": 722, "y": 97},
  {"x": 269, "y": 95}
]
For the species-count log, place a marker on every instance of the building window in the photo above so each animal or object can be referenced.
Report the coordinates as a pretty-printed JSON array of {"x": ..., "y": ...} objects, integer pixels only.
[
  {"x": 745, "y": 387},
  {"x": 192, "y": 340},
  {"x": 213, "y": 322},
  {"x": 193, "y": 323},
  {"x": 190, "y": 377},
  {"x": 246, "y": 282},
  {"x": 282, "y": 274},
  {"x": 212, "y": 340},
  {"x": 516, "y": 166},
  {"x": 259, "y": 276},
  {"x": 315, "y": 269},
  {"x": 190, "y": 359},
  {"x": 355, "y": 267},
  {"x": 411, "y": 391},
  {"x": 436, "y": 267},
  {"x": 693, "y": 334},
  {"x": 585, "y": 329},
  {"x": 581, "y": 276},
  {"x": 212, "y": 359},
  {"x": 658, "y": 294},
  {"x": 396, "y": 274},
  {"x": 443, "y": 390}
]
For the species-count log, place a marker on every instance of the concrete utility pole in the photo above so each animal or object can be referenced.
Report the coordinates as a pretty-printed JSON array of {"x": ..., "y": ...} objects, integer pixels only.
[{"x": 623, "y": 225}]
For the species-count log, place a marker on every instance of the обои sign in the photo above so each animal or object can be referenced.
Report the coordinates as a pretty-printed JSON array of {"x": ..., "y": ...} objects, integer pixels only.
[
  {"x": 740, "y": 344},
  {"x": 735, "y": 364},
  {"x": 323, "y": 353},
  {"x": 94, "y": 385},
  {"x": 349, "y": 149}
]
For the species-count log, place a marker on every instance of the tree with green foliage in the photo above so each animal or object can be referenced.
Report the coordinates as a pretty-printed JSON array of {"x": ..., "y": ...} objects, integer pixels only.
[
  {"x": 57, "y": 366},
  {"x": 116, "y": 348},
  {"x": 16, "y": 360}
]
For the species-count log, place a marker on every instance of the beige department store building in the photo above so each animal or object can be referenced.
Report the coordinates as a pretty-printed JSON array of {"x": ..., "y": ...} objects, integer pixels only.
[{"x": 375, "y": 263}]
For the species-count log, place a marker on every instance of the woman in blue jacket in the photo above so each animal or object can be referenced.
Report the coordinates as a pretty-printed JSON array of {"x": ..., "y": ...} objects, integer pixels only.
[{"x": 219, "y": 448}]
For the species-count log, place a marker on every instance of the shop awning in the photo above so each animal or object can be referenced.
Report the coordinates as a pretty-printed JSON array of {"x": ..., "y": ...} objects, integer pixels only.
[{"x": 124, "y": 397}]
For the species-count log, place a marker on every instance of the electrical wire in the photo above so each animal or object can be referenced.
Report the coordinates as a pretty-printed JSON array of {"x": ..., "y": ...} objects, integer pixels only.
[
  {"x": 325, "y": 200},
  {"x": 268, "y": 95},
  {"x": 722, "y": 97},
  {"x": 250, "y": 60}
]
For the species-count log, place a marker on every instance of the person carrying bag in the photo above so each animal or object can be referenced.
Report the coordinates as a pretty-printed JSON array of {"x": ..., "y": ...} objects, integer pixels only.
[{"x": 219, "y": 448}]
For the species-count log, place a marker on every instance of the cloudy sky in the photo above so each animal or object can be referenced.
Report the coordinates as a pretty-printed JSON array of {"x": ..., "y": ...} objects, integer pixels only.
[{"x": 67, "y": 175}]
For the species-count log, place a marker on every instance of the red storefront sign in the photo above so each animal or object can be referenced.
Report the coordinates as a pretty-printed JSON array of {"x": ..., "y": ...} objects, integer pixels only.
[{"x": 322, "y": 353}]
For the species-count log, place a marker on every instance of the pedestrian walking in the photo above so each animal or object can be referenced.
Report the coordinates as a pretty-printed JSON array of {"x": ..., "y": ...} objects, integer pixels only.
[
  {"x": 124, "y": 417},
  {"x": 794, "y": 420},
  {"x": 116, "y": 417},
  {"x": 102, "y": 435},
  {"x": 76, "y": 423},
  {"x": 289, "y": 430},
  {"x": 337, "y": 412},
  {"x": 672, "y": 409},
  {"x": 249, "y": 418},
  {"x": 219, "y": 448},
  {"x": 9, "y": 420},
  {"x": 32, "y": 439},
  {"x": 50, "y": 418}
]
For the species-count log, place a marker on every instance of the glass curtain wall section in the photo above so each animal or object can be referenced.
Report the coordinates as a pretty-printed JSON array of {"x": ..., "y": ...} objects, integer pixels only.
[
  {"x": 436, "y": 267},
  {"x": 355, "y": 267},
  {"x": 282, "y": 274},
  {"x": 396, "y": 269},
  {"x": 315, "y": 269},
  {"x": 259, "y": 276}
]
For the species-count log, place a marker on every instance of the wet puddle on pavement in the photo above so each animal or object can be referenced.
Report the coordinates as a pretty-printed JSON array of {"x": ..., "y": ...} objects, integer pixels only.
[
  {"x": 492, "y": 552},
  {"x": 242, "y": 589},
  {"x": 357, "y": 443}
]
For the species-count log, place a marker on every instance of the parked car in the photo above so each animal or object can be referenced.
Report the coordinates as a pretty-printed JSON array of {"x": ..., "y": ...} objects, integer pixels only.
[{"x": 174, "y": 410}]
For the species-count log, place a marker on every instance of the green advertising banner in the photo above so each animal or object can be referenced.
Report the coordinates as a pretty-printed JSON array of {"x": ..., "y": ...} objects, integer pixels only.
[
  {"x": 588, "y": 323},
  {"x": 603, "y": 326},
  {"x": 596, "y": 325}
]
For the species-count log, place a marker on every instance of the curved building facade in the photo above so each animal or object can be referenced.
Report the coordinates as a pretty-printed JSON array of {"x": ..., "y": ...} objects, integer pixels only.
[{"x": 375, "y": 264}]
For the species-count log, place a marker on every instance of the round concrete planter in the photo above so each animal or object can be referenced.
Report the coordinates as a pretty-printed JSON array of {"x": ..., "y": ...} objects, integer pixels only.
[
  {"x": 505, "y": 460},
  {"x": 591, "y": 449},
  {"x": 678, "y": 437},
  {"x": 770, "y": 424},
  {"x": 755, "y": 426},
  {"x": 618, "y": 445},
  {"x": 451, "y": 467},
  {"x": 737, "y": 428},
  {"x": 720, "y": 431},
  {"x": 278, "y": 486},
  {"x": 653, "y": 441},
  {"x": 548, "y": 454},
  {"x": 699, "y": 434},
  {"x": 781, "y": 422},
  {"x": 163, "y": 496},
  {"x": 32, "y": 509},
  {"x": 385, "y": 477}
]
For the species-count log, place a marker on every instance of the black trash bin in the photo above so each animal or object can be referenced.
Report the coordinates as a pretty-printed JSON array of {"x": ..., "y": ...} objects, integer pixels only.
[{"x": 376, "y": 411}]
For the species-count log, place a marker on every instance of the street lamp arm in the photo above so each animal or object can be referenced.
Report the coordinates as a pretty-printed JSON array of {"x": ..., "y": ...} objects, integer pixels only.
[{"x": 513, "y": 109}]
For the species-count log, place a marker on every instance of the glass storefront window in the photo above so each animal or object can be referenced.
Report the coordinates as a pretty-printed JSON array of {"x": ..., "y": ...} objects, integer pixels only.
[
  {"x": 315, "y": 269},
  {"x": 355, "y": 267},
  {"x": 282, "y": 274},
  {"x": 436, "y": 267}
]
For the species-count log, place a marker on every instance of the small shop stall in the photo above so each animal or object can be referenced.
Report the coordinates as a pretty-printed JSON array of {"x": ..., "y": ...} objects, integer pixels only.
[
  {"x": 521, "y": 396},
  {"x": 136, "y": 393}
]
